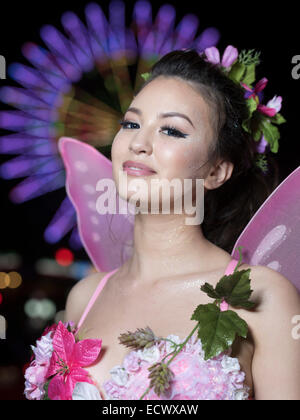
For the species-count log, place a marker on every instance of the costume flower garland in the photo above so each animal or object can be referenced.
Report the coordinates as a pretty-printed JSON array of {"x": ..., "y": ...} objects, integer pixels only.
[
  {"x": 262, "y": 120},
  {"x": 58, "y": 363},
  {"x": 57, "y": 370}
]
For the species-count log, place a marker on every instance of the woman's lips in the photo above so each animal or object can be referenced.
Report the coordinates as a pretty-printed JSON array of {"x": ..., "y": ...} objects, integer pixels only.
[{"x": 137, "y": 169}]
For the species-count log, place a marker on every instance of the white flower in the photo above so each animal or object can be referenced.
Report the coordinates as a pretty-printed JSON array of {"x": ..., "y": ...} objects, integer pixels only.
[
  {"x": 170, "y": 346},
  {"x": 43, "y": 350},
  {"x": 150, "y": 354},
  {"x": 119, "y": 375},
  {"x": 230, "y": 364},
  {"x": 85, "y": 391},
  {"x": 241, "y": 394},
  {"x": 275, "y": 103}
]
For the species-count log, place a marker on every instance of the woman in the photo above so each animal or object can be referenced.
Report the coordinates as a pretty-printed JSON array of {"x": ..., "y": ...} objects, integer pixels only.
[{"x": 160, "y": 284}]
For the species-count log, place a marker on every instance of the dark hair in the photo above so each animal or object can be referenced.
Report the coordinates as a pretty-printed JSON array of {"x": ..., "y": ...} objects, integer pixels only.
[{"x": 229, "y": 208}]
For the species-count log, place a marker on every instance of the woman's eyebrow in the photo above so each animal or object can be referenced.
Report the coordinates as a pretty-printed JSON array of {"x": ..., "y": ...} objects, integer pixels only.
[{"x": 163, "y": 115}]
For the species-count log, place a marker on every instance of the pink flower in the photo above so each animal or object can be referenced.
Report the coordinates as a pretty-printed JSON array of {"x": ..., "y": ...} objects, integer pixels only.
[
  {"x": 261, "y": 147},
  {"x": 36, "y": 373},
  {"x": 257, "y": 88},
  {"x": 272, "y": 107},
  {"x": 35, "y": 376},
  {"x": 33, "y": 392},
  {"x": 67, "y": 360},
  {"x": 43, "y": 350},
  {"x": 229, "y": 56},
  {"x": 224, "y": 306},
  {"x": 131, "y": 362}
]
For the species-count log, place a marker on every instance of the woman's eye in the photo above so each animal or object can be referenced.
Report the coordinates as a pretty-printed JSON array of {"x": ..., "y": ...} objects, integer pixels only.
[
  {"x": 125, "y": 124},
  {"x": 173, "y": 132}
]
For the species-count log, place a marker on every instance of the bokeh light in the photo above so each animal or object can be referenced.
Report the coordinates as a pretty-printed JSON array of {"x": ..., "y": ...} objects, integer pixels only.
[{"x": 64, "y": 257}]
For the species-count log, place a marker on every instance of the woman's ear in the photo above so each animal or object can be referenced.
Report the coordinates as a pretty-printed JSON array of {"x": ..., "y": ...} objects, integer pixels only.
[{"x": 218, "y": 174}]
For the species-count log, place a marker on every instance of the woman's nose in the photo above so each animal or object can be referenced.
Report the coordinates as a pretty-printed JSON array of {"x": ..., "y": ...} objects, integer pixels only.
[{"x": 140, "y": 144}]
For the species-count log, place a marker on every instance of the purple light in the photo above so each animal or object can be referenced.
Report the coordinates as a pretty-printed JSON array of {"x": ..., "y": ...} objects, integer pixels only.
[
  {"x": 75, "y": 241},
  {"x": 20, "y": 98},
  {"x": 98, "y": 28},
  {"x": 22, "y": 143},
  {"x": 78, "y": 40},
  {"x": 142, "y": 17},
  {"x": 40, "y": 58},
  {"x": 28, "y": 165},
  {"x": 36, "y": 186},
  {"x": 62, "y": 222},
  {"x": 186, "y": 31},
  {"x": 208, "y": 38},
  {"x": 60, "y": 46}
]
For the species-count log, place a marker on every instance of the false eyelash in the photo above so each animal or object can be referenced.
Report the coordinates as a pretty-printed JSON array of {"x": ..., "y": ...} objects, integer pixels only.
[{"x": 178, "y": 134}]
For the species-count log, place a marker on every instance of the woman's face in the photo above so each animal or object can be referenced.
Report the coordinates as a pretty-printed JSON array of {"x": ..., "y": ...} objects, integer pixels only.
[{"x": 173, "y": 146}]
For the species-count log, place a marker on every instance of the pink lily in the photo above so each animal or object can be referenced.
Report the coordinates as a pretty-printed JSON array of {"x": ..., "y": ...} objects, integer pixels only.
[
  {"x": 67, "y": 360},
  {"x": 229, "y": 56}
]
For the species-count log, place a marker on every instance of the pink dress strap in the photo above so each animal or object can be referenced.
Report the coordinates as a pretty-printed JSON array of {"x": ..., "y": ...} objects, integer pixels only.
[
  {"x": 92, "y": 300},
  {"x": 231, "y": 266}
]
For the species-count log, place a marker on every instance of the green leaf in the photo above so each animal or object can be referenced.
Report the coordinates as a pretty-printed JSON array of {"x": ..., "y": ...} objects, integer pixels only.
[
  {"x": 237, "y": 71},
  {"x": 272, "y": 135},
  {"x": 257, "y": 134},
  {"x": 252, "y": 106},
  {"x": 249, "y": 76},
  {"x": 235, "y": 289},
  {"x": 46, "y": 386},
  {"x": 210, "y": 291},
  {"x": 217, "y": 330},
  {"x": 145, "y": 76},
  {"x": 278, "y": 119}
]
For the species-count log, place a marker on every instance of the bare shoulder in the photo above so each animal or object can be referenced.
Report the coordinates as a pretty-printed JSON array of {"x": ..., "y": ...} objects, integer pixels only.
[
  {"x": 80, "y": 295},
  {"x": 275, "y": 293}
]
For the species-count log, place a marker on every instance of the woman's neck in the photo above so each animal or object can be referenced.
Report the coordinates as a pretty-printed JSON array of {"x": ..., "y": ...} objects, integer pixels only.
[{"x": 165, "y": 246}]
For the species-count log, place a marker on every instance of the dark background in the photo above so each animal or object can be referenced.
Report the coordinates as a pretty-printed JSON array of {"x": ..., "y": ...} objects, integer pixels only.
[{"x": 271, "y": 29}]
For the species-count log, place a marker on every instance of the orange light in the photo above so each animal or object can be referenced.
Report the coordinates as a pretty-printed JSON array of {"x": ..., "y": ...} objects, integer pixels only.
[{"x": 64, "y": 257}]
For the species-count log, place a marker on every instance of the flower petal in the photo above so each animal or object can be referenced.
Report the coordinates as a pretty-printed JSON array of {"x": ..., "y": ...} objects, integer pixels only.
[
  {"x": 275, "y": 103},
  {"x": 86, "y": 351},
  {"x": 79, "y": 374},
  {"x": 230, "y": 55},
  {"x": 270, "y": 112},
  {"x": 85, "y": 391},
  {"x": 56, "y": 389},
  {"x": 261, "y": 85},
  {"x": 261, "y": 147},
  {"x": 213, "y": 55},
  {"x": 63, "y": 342}
]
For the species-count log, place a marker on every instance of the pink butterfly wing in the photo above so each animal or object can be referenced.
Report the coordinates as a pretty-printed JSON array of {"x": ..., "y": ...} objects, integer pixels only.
[
  {"x": 107, "y": 238},
  {"x": 272, "y": 237}
]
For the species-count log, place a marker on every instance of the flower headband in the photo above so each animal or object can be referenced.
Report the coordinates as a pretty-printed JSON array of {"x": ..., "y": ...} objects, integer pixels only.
[{"x": 262, "y": 119}]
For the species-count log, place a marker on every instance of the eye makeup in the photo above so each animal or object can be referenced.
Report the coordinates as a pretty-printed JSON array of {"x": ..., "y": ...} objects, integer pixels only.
[{"x": 175, "y": 133}]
